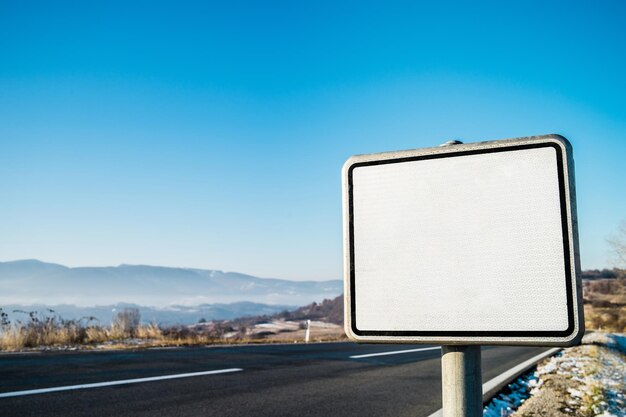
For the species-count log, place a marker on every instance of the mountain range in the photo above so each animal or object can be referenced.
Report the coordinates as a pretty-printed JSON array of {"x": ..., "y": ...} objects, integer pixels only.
[
  {"x": 33, "y": 282},
  {"x": 165, "y": 316}
]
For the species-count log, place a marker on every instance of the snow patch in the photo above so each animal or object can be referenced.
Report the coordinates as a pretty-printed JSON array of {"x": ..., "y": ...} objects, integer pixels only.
[{"x": 595, "y": 374}]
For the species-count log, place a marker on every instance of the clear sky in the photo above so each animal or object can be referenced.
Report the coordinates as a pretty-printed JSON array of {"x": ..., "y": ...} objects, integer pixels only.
[{"x": 213, "y": 135}]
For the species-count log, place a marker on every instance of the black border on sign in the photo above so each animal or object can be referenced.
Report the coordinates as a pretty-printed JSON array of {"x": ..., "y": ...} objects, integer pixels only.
[{"x": 469, "y": 333}]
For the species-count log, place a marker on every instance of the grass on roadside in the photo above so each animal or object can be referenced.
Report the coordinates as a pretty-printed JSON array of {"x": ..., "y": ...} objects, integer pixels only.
[
  {"x": 36, "y": 330},
  {"x": 33, "y": 329}
]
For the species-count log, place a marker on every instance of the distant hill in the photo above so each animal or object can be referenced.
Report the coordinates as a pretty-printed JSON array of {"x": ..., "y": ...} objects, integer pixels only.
[
  {"x": 31, "y": 282},
  {"x": 174, "y": 315},
  {"x": 329, "y": 310}
]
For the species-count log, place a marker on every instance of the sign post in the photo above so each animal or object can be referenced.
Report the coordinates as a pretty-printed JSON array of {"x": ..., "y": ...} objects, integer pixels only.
[
  {"x": 462, "y": 246},
  {"x": 461, "y": 381}
]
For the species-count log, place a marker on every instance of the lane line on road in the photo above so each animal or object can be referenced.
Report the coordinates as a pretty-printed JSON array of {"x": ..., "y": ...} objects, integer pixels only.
[
  {"x": 113, "y": 383},
  {"x": 395, "y": 352}
]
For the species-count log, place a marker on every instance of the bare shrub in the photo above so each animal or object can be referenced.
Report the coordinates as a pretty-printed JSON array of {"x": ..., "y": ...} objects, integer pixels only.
[
  {"x": 605, "y": 286},
  {"x": 42, "y": 329},
  {"x": 34, "y": 330},
  {"x": 125, "y": 323},
  {"x": 617, "y": 243}
]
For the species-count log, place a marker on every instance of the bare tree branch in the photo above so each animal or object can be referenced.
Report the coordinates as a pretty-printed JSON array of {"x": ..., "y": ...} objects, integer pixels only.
[{"x": 617, "y": 242}]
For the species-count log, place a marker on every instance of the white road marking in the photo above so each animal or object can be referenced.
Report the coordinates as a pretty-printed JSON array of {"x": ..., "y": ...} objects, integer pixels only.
[
  {"x": 112, "y": 383},
  {"x": 395, "y": 352}
]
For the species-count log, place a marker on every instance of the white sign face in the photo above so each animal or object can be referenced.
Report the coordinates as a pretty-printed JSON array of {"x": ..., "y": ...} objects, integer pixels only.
[{"x": 471, "y": 244}]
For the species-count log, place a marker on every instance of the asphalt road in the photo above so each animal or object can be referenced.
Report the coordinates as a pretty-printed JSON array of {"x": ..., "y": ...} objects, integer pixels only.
[{"x": 264, "y": 380}]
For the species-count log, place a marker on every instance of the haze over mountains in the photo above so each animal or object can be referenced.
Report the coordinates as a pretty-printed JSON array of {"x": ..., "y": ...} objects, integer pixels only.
[{"x": 33, "y": 282}]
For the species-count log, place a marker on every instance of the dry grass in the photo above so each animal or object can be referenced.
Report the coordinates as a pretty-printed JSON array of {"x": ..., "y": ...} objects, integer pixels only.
[
  {"x": 40, "y": 329},
  {"x": 605, "y": 304},
  {"x": 582, "y": 381},
  {"x": 608, "y": 319},
  {"x": 17, "y": 338},
  {"x": 151, "y": 331},
  {"x": 50, "y": 331}
]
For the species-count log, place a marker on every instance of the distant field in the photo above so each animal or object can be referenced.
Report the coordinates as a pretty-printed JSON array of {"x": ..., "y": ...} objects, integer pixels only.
[{"x": 605, "y": 303}]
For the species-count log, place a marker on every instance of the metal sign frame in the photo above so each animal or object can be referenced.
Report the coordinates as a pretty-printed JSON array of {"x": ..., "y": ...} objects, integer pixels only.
[{"x": 567, "y": 195}]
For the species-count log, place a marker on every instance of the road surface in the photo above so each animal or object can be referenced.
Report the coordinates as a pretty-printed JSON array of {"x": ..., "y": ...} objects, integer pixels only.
[{"x": 321, "y": 379}]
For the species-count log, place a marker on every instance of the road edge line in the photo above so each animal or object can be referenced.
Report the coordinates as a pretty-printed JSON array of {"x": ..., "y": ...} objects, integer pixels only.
[{"x": 494, "y": 385}]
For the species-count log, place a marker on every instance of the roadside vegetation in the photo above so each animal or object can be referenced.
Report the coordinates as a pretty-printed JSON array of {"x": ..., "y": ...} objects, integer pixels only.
[
  {"x": 583, "y": 381},
  {"x": 33, "y": 329},
  {"x": 604, "y": 295},
  {"x": 46, "y": 329}
]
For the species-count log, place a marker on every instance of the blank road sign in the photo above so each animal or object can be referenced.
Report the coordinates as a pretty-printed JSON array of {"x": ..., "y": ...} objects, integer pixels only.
[{"x": 463, "y": 244}]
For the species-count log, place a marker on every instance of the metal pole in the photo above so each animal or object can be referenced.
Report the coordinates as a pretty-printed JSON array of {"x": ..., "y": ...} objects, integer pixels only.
[{"x": 461, "y": 381}]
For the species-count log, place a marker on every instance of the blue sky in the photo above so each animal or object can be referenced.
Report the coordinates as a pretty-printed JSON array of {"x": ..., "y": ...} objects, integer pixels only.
[{"x": 212, "y": 135}]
